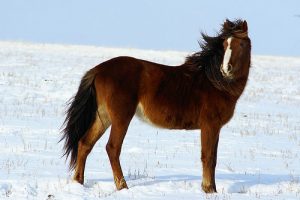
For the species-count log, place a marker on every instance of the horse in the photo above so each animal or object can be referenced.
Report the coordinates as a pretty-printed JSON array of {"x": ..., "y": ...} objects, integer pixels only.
[{"x": 200, "y": 94}]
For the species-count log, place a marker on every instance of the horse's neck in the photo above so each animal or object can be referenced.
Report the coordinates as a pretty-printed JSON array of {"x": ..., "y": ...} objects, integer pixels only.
[
  {"x": 214, "y": 77},
  {"x": 233, "y": 87}
]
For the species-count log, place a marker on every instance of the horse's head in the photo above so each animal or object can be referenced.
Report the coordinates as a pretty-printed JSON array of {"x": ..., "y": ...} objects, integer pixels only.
[{"x": 237, "y": 47}]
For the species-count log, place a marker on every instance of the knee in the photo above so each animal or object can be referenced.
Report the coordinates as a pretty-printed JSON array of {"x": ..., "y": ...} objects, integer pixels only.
[
  {"x": 208, "y": 159},
  {"x": 205, "y": 158},
  {"x": 109, "y": 149},
  {"x": 202, "y": 156}
]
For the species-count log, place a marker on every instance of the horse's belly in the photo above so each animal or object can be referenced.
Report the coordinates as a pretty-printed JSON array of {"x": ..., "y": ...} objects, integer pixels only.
[
  {"x": 140, "y": 113},
  {"x": 169, "y": 120}
]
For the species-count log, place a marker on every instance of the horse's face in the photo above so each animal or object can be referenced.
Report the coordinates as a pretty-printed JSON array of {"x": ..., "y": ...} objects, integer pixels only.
[{"x": 236, "y": 59}]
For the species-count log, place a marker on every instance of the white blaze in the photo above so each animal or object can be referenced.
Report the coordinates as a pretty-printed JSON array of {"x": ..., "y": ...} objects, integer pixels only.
[{"x": 227, "y": 56}]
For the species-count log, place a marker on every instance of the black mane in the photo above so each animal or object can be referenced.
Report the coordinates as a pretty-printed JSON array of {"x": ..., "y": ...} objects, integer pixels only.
[{"x": 211, "y": 56}]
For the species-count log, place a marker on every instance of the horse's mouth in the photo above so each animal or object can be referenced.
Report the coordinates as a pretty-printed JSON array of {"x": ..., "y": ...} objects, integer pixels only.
[{"x": 228, "y": 74}]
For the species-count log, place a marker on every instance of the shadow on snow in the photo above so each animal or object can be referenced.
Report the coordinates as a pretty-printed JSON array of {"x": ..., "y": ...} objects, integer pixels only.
[{"x": 241, "y": 182}]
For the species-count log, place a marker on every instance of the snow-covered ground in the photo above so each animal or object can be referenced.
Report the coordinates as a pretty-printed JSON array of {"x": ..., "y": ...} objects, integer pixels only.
[{"x": 259, "y": 150}]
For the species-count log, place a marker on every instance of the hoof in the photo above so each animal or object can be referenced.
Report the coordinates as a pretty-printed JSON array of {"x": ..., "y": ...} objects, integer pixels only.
[
  {"x": 78, "y": 179},
  {"x": 121, "y": 183},
  {"x": 121, "y": 187},
  {"x": 209, "y": 188}
]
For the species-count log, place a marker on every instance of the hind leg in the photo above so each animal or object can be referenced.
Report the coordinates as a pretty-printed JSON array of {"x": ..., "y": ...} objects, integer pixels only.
[
  {"x": 120, "y": 119},
  {"x": 85, "y": 145},
  {"x": 113, "y": 148}
]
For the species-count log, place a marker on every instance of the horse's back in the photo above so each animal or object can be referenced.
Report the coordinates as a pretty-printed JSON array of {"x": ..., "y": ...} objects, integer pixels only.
[{"x": 128, "y": 74}]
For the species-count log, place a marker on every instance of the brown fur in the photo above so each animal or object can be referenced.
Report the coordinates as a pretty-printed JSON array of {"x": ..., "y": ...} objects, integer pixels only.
[{"x": 193, "y": 95}]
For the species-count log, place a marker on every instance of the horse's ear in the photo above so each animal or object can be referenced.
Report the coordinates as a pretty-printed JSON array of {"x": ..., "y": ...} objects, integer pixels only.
[
  {"x": 226, "y": 24},
  {"x": 245, "y": 26}
]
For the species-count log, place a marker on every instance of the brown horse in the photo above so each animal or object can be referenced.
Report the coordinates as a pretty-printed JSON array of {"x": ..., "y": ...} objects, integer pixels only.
[{"x": 199, "y": 94}]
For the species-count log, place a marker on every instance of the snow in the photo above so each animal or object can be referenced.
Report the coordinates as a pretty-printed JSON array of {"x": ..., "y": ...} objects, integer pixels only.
[{"x": 259, "y": 149}]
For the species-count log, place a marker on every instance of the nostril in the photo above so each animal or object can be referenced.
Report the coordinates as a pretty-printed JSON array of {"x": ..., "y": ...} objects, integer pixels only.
[{"x": 229, "y": 67}]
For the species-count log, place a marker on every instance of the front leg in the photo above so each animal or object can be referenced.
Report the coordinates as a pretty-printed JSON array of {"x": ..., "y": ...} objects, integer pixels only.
[{"x": 209, "y": 143}]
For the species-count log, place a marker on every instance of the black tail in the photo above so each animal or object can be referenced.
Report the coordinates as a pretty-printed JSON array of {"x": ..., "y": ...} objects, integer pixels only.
[{"x": 80, "y": 116}]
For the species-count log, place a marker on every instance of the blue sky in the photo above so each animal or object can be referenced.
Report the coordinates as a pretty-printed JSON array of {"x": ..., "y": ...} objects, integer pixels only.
[{"x": 274, "y": 25}]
